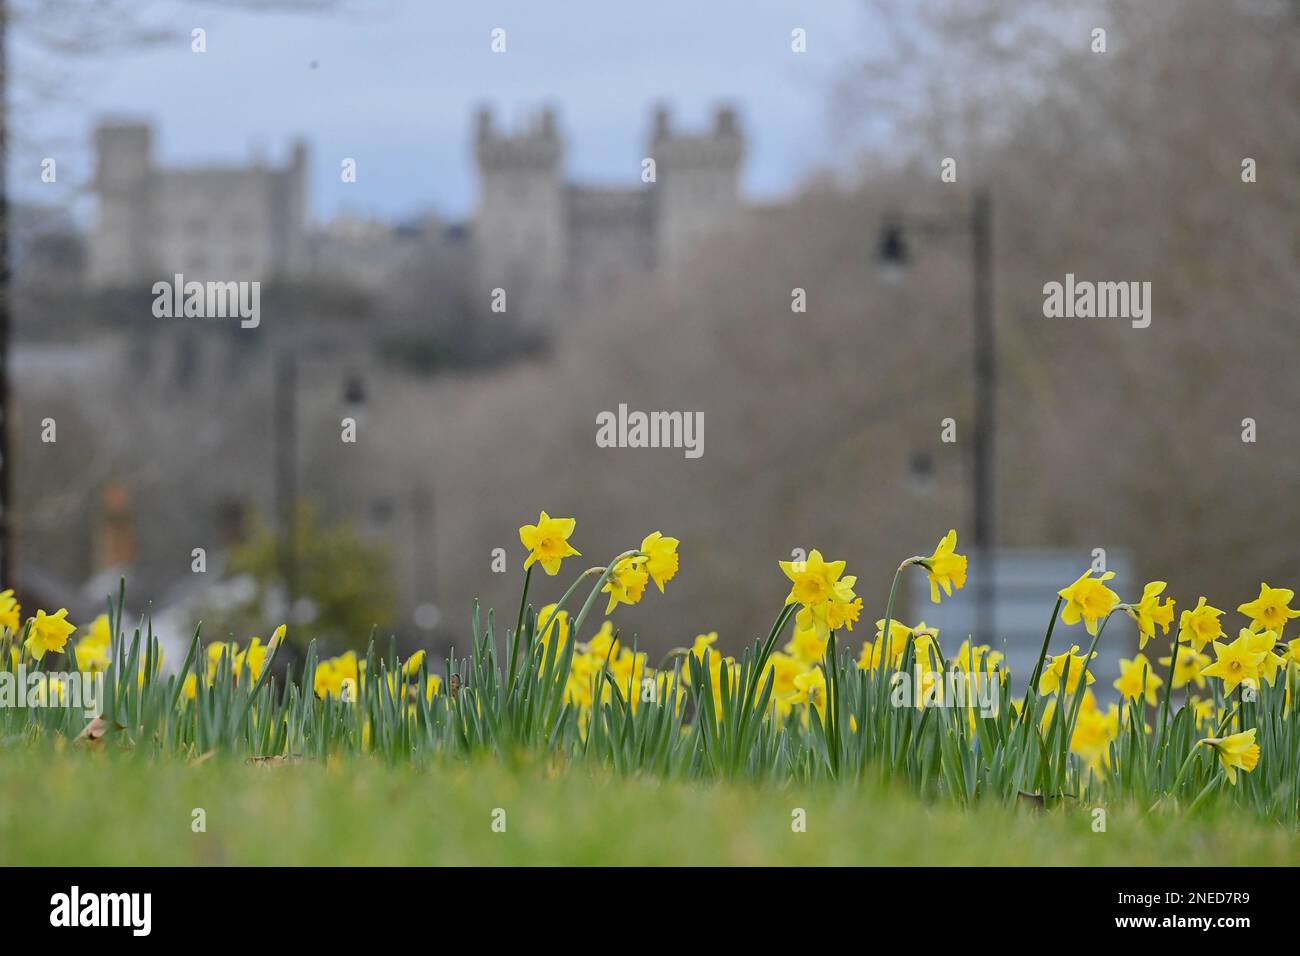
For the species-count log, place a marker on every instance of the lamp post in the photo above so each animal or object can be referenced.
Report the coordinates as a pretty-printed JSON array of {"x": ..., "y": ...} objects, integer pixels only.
[
  {"x": 894, "y": 255},
  {"x": 286, "y": 462},
  {"x": 286, "y": 473}
]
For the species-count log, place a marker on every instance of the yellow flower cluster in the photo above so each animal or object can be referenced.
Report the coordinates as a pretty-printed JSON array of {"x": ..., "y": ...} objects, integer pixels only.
[
  {"x": 247, "y": 663},
  {"x": 1256, "y": 655},
  {"x": 625, "y": 582},
  {"x": 624, "y": 669},
  {"x": 343, "y": 677}
]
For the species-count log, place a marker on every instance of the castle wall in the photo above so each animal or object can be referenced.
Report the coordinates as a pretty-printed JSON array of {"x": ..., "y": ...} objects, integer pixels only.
[
  {"x": 551, "y": 245},
  {"x": 238, "y": 223},
  {"x": 611, "y": 236}
]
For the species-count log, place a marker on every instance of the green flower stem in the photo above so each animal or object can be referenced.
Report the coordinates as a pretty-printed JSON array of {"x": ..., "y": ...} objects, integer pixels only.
[
  {"x": 1078, "y": 697},
  {"x": 591, "y": 598},
  {"x": 519, "y": 626},
  {"x": 886, "y": 632},
  {"x": 1047, "y": 640},
  {"x": 1164, "y": 707}
]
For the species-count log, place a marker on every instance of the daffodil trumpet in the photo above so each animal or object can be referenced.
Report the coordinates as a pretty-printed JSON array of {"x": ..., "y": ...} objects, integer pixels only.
[{"x": 605, "y": 574}]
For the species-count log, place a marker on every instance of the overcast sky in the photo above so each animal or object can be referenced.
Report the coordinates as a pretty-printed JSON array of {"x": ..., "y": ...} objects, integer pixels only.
[{"x": 394, "y": 84}]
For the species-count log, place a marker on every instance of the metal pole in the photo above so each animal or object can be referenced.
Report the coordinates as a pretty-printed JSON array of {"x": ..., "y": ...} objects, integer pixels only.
[
  {"x": 985, "y": 411},
  {"x": 6, "y": 405},
  {"x": 286, "y": 479}
]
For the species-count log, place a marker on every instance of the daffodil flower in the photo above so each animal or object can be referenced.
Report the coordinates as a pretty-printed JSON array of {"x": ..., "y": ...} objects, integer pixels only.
[
  {"x": 548, "y": 542},
  {"x": 1238, "y": 751}
]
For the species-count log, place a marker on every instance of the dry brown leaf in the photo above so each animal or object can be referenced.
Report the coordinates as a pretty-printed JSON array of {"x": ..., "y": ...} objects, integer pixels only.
[{"x": 94, "y": 732}]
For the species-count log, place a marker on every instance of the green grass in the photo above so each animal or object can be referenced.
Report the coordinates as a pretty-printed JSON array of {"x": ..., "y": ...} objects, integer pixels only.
[
  {"x": 884, "y": 778},
  {"x": 79, "y": 808}
]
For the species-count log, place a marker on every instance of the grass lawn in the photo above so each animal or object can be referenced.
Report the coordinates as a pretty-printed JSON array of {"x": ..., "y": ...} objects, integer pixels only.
[{"x": 75, "y": 808}]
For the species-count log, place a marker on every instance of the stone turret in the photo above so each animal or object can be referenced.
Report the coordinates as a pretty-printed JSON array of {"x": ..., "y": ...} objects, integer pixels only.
[
  {"x": 552, "y": 245},
  {"x": 124, "y": 162},
  {"x": 698, "y": 188},
  {"x": 520, "y": 226}
]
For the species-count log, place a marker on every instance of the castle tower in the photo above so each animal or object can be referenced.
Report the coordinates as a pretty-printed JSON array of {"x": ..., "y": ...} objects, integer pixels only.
[
  {"x": 289, "y": 218},
  {"x": 120, "y": 245},
  {"x": 520, "y": 226},
  {"x": 698, "y": 184}
]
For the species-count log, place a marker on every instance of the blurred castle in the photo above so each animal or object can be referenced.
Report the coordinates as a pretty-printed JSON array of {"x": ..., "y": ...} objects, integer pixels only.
[
  {"x": 549, "y": 243},
  {"x": 358, "y": 300},
  {"x": 213, "y": 222}
]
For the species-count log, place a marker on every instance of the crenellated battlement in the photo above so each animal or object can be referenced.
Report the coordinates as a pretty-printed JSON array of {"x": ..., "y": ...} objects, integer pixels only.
[{"x": 554, "y": 242}]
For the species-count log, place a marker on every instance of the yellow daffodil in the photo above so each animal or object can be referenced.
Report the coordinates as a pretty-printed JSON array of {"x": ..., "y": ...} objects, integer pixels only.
[
  {"x": 892, "y": 648},
  {"x": 277, "y": 638},
  {"x": 812, "y": 582},
  {"x": 1188, "y": 667},
  {"x": 1202, "y": 709},
  {"x": 1236, "y": 662},
  {"x": 842, "y": 615},
  {"x": 1093, "y": 731},
  {"x": 548, "y": 542},
  {"x": 432, "y": 686},
  {"x": 661, "y": 558},
  {"x": 331, "y": 674},
  {"x": 414, "y": 663},
  {"x": 1200, "y": 625},
  {"x": 216, "y": 650},
  {"x": 93, "y": 647},
  {"x": 1050, "y": 681},
  {"x": 97, "y": 633},
  {"x": 49, "y": 632},
  {"x": 1270, "y": 611},
  {"x": 1088, "y": 599},
  {"x": 1138, "y": 679},
  {"x": 92, "y": 657},
  {"x": 1149, "y": 613},
  {"x": 1293, "y": 650},
  {"x": 626, "y": 583},
  {"x": 1270, "y": 663},
  {"x": 10, "y": 612},
  {"x": 840, "y": 611},
  {"x": 945, "y": 567},
  {"x": 810, "y": 688},
  {"x": 977, "y": 659},
  {"x": 1237, "y": 752},
  {"x": 925, "y": 647},
  {"x": 702, "y": 643},
  {"x": 784, "y": 669},
  {"x": 552, "y": 623},
  {"x": 253, "y": 658},
  {"x": 808, "y": 642},
  {"x": 191, "y": 687},
  {"x": 603, "y": 645}
]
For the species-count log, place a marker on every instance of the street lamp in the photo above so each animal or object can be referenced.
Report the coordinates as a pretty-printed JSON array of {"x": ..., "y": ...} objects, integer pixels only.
[
  {"x": 894, "y": 256},
  {"x": 893, "y": 252},
  {"x": 286, "y": 462},
  {"x": 354, "y": 396}
]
